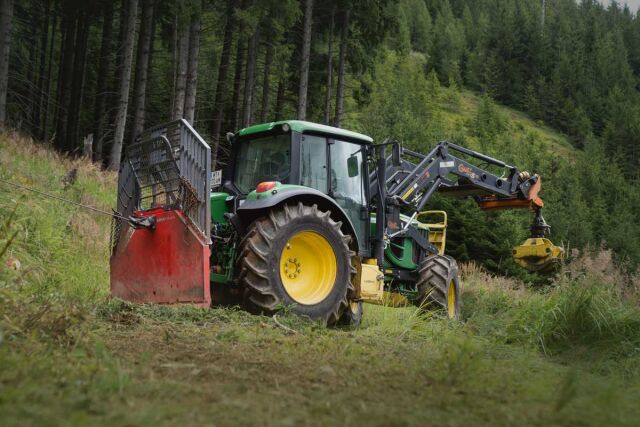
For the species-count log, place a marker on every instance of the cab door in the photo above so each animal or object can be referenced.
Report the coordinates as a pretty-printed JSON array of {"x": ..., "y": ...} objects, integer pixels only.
[
  {"x": 347, "y": 180},
  {"x": 337, "y": 168}
]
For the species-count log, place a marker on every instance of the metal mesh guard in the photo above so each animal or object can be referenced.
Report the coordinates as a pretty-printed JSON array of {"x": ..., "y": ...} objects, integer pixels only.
[
  {"x": 172, "y": 168},
  {"x": 157, "y": 173}
]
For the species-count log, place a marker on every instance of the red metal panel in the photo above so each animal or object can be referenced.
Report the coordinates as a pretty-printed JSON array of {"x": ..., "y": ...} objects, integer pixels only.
[{"x": 169, "y": 264}]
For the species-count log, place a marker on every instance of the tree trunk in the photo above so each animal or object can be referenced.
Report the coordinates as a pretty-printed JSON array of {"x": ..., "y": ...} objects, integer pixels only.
[
  {"x": 277, "y": 114},
  {"x": 237, "y": 83},
  {"x": 152, "y": 50},
  {"x": 6, "y": 18},
  {"x": 181, "y": 72},
  {"x": 42, "y": 67},
  {"x": 174, "y": 59},
  {"x": 142, "y": 68},
  {"x": 32, "y": 80},
  {"x": 192, "y": 72},
  {"x": 65, "y": 76},
  {"x": 304, "y": 64},
  {"x": 47, "y": 104},
  {"x": 77, "y": 87},
  {"x": 329, "y": 88},
  {"x": 223, "y": 69},
  {"x": 125, "y": 80},
  {"x": 268, "y": 60},
  {"x": 119, "y": 50},
  {"x": 250, "y": 80},
  {"x": 102, "y": 83},
  {"x": 344, "y": 39}
]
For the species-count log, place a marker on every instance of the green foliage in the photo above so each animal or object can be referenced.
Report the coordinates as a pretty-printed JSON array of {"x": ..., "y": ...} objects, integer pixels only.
[
  {"x": 414, "y": 28},
  {"x": 405, "y": 108},
  {"x": 593, "y": 204}
]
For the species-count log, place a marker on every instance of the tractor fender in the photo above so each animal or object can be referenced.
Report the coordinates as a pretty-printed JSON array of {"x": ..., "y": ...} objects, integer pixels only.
[{"x": 251, "y": 209}]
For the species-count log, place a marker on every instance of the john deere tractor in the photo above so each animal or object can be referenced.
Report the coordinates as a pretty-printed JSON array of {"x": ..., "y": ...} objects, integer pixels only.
[{"x": 306, "y": 216}]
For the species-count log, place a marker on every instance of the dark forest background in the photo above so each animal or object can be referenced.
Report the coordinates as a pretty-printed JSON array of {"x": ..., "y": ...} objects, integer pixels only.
[{"x": 71, "y": 68}]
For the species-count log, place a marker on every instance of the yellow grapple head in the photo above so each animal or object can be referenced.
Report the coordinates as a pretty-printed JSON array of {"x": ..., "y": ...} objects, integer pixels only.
[{"x": 538, "y": 254}]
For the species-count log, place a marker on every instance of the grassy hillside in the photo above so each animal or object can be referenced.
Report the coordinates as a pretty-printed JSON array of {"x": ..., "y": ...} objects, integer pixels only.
[
  {"x": 458, "y": 116},
  {"x": 70, "y": 355}
]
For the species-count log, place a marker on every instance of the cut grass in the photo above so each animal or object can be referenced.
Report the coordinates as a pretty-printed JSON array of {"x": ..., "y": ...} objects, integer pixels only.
[
  {"x": 71, "y": 355},
  {"x": 129, "y": 364}
]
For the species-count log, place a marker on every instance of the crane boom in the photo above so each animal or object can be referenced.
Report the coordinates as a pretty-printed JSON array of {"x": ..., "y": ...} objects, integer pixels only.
[{"x": 412, "y": 178}]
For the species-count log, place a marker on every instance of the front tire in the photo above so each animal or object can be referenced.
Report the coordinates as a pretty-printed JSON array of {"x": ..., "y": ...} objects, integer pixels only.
[
  {"x": 297, "y": 256},
  {"x": 439, "y": 286}
]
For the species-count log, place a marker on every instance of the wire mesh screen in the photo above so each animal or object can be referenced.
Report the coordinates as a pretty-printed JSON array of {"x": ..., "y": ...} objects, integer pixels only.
[
  {"x": 171, "y": 165},
  {"x": 128, "y": 195},
  {"x": 128, "y": 190},
  {"x": 156, "y": 172}
]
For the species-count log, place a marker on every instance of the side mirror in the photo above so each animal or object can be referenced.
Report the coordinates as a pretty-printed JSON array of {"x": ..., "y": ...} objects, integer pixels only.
[
  {"x": 231, "y": 137},
  {"x": 352, "y": 166},
  {"x": 396, "y": 153}
]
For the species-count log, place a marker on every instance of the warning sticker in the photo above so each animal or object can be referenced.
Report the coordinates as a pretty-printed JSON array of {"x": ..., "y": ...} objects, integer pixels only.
[{"x": 216, "y": 178}]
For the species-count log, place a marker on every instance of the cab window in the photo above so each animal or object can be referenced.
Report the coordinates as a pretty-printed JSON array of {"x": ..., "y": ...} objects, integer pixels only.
[{"x": 313, "y": 165}]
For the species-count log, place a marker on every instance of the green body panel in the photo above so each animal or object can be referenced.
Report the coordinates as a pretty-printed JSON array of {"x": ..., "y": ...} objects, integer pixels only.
[
  {"x": 404, "y": 262},
  {"x": 279, "y": 188},
  {"x": 304, "y": 127},
  {"x": 229, "y": 256},
  {"x": 218, "y": 207},
  {"x": 225, "y": 255}
]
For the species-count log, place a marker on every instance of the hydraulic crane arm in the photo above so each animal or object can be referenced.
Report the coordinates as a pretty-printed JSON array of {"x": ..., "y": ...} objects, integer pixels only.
[
  {"x": 414, "y": 183},
  {"x": 412, "y": 179}
]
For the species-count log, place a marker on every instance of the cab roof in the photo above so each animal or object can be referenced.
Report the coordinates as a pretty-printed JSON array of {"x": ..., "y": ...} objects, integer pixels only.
[{"x": 307, "y": 127}]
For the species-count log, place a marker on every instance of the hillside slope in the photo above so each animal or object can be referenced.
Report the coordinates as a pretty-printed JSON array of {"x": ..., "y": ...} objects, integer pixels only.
[
  {"x": 461, "y": 115},
  {"x": 71, "y": 355}
]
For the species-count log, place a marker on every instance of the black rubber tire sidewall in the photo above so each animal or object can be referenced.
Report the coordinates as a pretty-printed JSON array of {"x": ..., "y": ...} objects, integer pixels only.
[
  {"x": 435, "y": 288},
  {"x": 313, "y": 220}
]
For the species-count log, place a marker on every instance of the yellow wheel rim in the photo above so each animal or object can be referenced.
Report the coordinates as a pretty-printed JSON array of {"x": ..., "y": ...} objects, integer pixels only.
[
  {"x": 451, "y": 300},
  {"x": 308, "y": 268}
]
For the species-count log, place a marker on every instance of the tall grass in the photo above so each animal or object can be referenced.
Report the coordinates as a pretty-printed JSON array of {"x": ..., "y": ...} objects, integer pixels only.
[
  {"x": 58, "y": 248},
  {"x": 584, "y": 316}
]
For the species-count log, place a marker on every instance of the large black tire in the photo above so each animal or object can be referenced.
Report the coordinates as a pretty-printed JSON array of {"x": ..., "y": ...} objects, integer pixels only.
[
  {"x": 438, "y": 284},
  {"x": 261, "y": 251}
]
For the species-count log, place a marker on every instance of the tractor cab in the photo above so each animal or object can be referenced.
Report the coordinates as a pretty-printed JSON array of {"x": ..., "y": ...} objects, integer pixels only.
[{"x": 293, "y": 154}]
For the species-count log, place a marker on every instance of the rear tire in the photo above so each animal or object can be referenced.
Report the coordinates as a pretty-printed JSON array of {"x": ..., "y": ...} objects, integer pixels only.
[
  {"x": 439, "y": 286},
  {"x": 297, "y": 256}
]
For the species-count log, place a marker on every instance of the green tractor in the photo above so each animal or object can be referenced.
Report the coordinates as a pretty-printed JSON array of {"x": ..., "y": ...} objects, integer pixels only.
[{"x": 306, "y": 216}]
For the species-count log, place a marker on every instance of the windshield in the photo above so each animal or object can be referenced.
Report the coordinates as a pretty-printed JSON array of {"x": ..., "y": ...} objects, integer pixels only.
[{"x": 262, "y": 159}]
